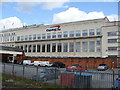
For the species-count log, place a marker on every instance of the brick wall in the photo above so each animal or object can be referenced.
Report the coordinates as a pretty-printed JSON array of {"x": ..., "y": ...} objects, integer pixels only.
[{"x": 84, "y": 62}]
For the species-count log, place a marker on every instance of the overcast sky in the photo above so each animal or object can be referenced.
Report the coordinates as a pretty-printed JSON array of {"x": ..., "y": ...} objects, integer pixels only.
[{"x": 17, "y": 13}]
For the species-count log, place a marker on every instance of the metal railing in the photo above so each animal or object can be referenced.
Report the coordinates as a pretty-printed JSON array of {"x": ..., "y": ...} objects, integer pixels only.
[{"x": 77, "y": 79}]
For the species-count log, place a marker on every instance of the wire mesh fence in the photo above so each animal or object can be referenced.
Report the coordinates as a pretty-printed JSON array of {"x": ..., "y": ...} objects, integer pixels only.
[{"x": 63, "y": 78}]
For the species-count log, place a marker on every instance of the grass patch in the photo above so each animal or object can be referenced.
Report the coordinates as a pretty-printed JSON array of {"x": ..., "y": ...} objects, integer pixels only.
[{"x": 10, "y": 81}]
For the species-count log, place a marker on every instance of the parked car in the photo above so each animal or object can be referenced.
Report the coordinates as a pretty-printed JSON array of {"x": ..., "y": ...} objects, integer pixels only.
[
  {"x": 102, "y": 67},
  {"x": 47, "y": 74},
  {"x": 27, "y": 62},
  {"x": 75, "y": 67},
  {"x": 58, "y": 64},
  {"x": 36, "y": 63},
  {"x": 117, "y": 83},
  {"x": 42, "y": 63},
  {"x": 45, "y": 63}
]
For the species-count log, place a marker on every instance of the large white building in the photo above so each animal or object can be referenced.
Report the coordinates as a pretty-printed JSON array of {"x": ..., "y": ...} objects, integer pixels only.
[{"x": 89, "y": 38}]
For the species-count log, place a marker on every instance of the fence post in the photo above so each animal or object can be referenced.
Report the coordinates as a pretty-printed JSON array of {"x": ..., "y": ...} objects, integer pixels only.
[
  {"x": 37, "y": 74},
  {"x": 4, "y": 68},
  {"x": 23, "y": 70},
  {"x": 113, "y": 78},
  {"x": 55, "y": 76},
  {"x": 13, "y": 69}
]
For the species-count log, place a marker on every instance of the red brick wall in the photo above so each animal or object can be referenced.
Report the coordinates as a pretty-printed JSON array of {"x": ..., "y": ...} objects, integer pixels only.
[{"x": 84, "y": 62}]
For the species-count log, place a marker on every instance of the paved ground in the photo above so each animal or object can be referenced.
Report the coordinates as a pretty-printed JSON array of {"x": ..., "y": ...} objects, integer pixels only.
[{"x": 100, "y": 79}]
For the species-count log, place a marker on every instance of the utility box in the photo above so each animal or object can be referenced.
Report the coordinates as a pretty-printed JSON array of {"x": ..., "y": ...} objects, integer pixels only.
[
  {"x": 67, "y": 79},
  {"x": 82, "y": 80}
]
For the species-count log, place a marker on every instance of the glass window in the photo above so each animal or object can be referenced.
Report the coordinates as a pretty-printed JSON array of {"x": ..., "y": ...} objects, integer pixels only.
[
  {"x": 84, "y": 33},
  {"x": 78, "y": 33},
  {"x": 34, "y": 48},
  {"x": 59, "y": 47},
  {"x": 22, "y": 38},
  {"x": 48, "y": 35},
  {"x": 112, "y": 33},
  {"x": 43, "y": 47},
  {"x": 38, "y": 48},
  {"x": 91, "y": 46},
  {"x": 29, "y": 48},
  {"x": 48, "y": 47},
  {"x": 26, "y": 37},
  {"x": 112, "y": 48},
  {"x": 98, "y": 43},
  {"x": 38, "y": 36},
  {"x": 53, "y": 47},
  {"x": 71, "y": 33},
  {"x": 65, "y": 34},
  {"x": 65, "y": 47},
  {"x": 59, "y": 34},
  {"x": 77, "y": 46},
  {"x": 30, "y": 37},
  {"x": 54, "y": 35},
  {"x": 91, "y": 32},
  {"x": 71, "y": 47},
  {"x": 84, "y": 46},
  {"x": 18, "y": 38},
  {"x": 21, "y": 47},
  {"x": 43, "y": 36},
  {"x": 112, "y": 40},
  {"x": 25, "y": 49},
  {"x": 98, "y": 31},
  {"x": 34, "y": 36}
]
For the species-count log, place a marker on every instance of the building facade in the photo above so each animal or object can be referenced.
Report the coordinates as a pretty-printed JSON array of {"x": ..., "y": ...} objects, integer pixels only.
[{"x": 89, "y": 38}]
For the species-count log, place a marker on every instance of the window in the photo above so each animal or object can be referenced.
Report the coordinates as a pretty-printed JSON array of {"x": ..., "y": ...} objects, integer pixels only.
[
  {"x": 38, "y": 47},
  {"x": 38, "y": 36},
  {"x": 21, "y": 47},
  {"x": 30, "y": 37},
  {"x": 48, "y": 35},
  {"x": 18, "y": 38},
  {"x": 112, "y": 33},
  {"x": 98, "y": 31},
  {"x": 26, "y": 37},
  {"x": 59, "y": 47},
  {"x": 65, "y": 34},
  {"x": 78, "y": 33},
  {"x": 112, "y": 48},
  {"x": 59, "y": 34},
  {"x": 29, "y": 48},
  {"x": 112, "y": 40},
  {"x": 34, "y": 36},
  {"x": 71, "y": 47},
  {"x": 48, "y": 47},
  {"x": 65, "y": 47},
  {"x": 91, "y": 46},
  {"x": 43, "y": 36},
  {"x": 77, "y": 46},
  {"x": 71, "y": 33},
  {"x": 53, "y": 47},
  {"x": 34, "y": 48},
  {"x": 98, "y": 43},
  {"x": 84, "y": 33},
  {"x": 54, "y": 35},
  {"x": 84, "y": 46},
  {"x": 25, "y": 49},
  {"x": 43, "y": 47},
  {"x": 91, "y": 32},
  {"x": 22, "y": 38}
]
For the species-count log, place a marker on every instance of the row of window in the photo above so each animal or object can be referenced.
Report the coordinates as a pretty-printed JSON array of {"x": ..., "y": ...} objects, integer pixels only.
[
  {"x": 114, "y": 40},
  {"x": 63, "y": 47},
  {"x": 76, "y": 33},
  {"x": 7, "y": 34},
  {"x": 112, "y": 48},
  {"x": 112, "y": 33}
]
